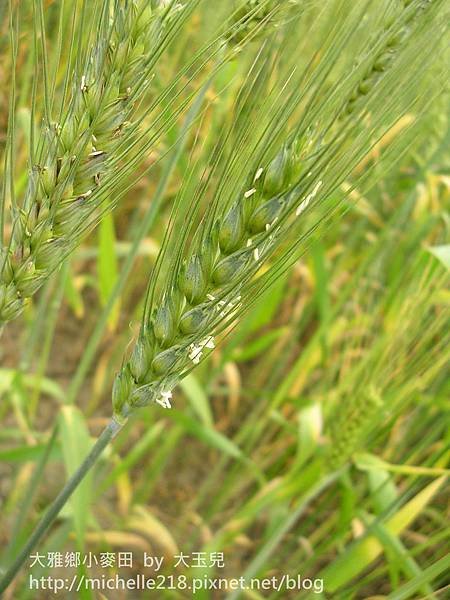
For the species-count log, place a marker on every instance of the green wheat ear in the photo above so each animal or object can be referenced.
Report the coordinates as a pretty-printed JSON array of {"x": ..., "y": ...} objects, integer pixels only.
[
  {"x": 250, "y": 219},
  {"x": 248, "y": 237},
  {"x": 206, "y": 288},
  {"x": 395, "y": 35},
  {"x": 76, "y": 156},
  {"x": 253, "y": 18},
  {"x": 395, "y": 368},
  {"x": 350, "y": 425}
]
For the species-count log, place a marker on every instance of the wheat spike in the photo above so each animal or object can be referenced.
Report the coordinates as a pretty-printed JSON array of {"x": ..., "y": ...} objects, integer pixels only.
[
  {"x": 206, "y": 290},
  {"x": 76, "y": 153},
  {"x": 211, "y": 277},
  {"x": 396, "y": 33}
]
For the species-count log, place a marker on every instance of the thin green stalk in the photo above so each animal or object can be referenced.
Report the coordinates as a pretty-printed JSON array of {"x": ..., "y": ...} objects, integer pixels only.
[
  {"x": 272, "y": 544},
  {"x": 29, "y": 494},
  {"x": 110, "y": 431},
  {"x": 48, "y": 334},
  {"x": 427, "y": 575}
]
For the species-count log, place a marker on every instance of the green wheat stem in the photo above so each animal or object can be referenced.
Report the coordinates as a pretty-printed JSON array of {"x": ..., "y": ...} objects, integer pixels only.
[
  {"x": 28, "y": 496},
  {"x": 286, "y": 525},
  {"x": 110, "y": 431}
]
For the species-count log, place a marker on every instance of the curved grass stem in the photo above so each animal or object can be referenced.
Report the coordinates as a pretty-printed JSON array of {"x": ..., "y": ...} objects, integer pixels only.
[{"x": 110, "y": 431}]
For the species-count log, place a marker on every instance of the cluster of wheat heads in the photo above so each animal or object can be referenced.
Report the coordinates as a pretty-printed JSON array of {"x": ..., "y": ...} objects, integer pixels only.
[
  {"x": 89, "y": 143},
  {"x": 256, "y": 225}
]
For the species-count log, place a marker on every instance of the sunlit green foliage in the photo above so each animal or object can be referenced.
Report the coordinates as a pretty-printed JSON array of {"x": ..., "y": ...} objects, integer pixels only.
[{"x": 313, "y": 438}]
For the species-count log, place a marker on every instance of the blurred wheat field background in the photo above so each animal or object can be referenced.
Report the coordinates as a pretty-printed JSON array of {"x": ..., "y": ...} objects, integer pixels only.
[{"x": 232, "y": 219}]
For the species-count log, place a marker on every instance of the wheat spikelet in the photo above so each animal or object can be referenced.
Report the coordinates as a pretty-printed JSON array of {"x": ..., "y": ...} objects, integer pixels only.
[{"x": 75, "y": 154}]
